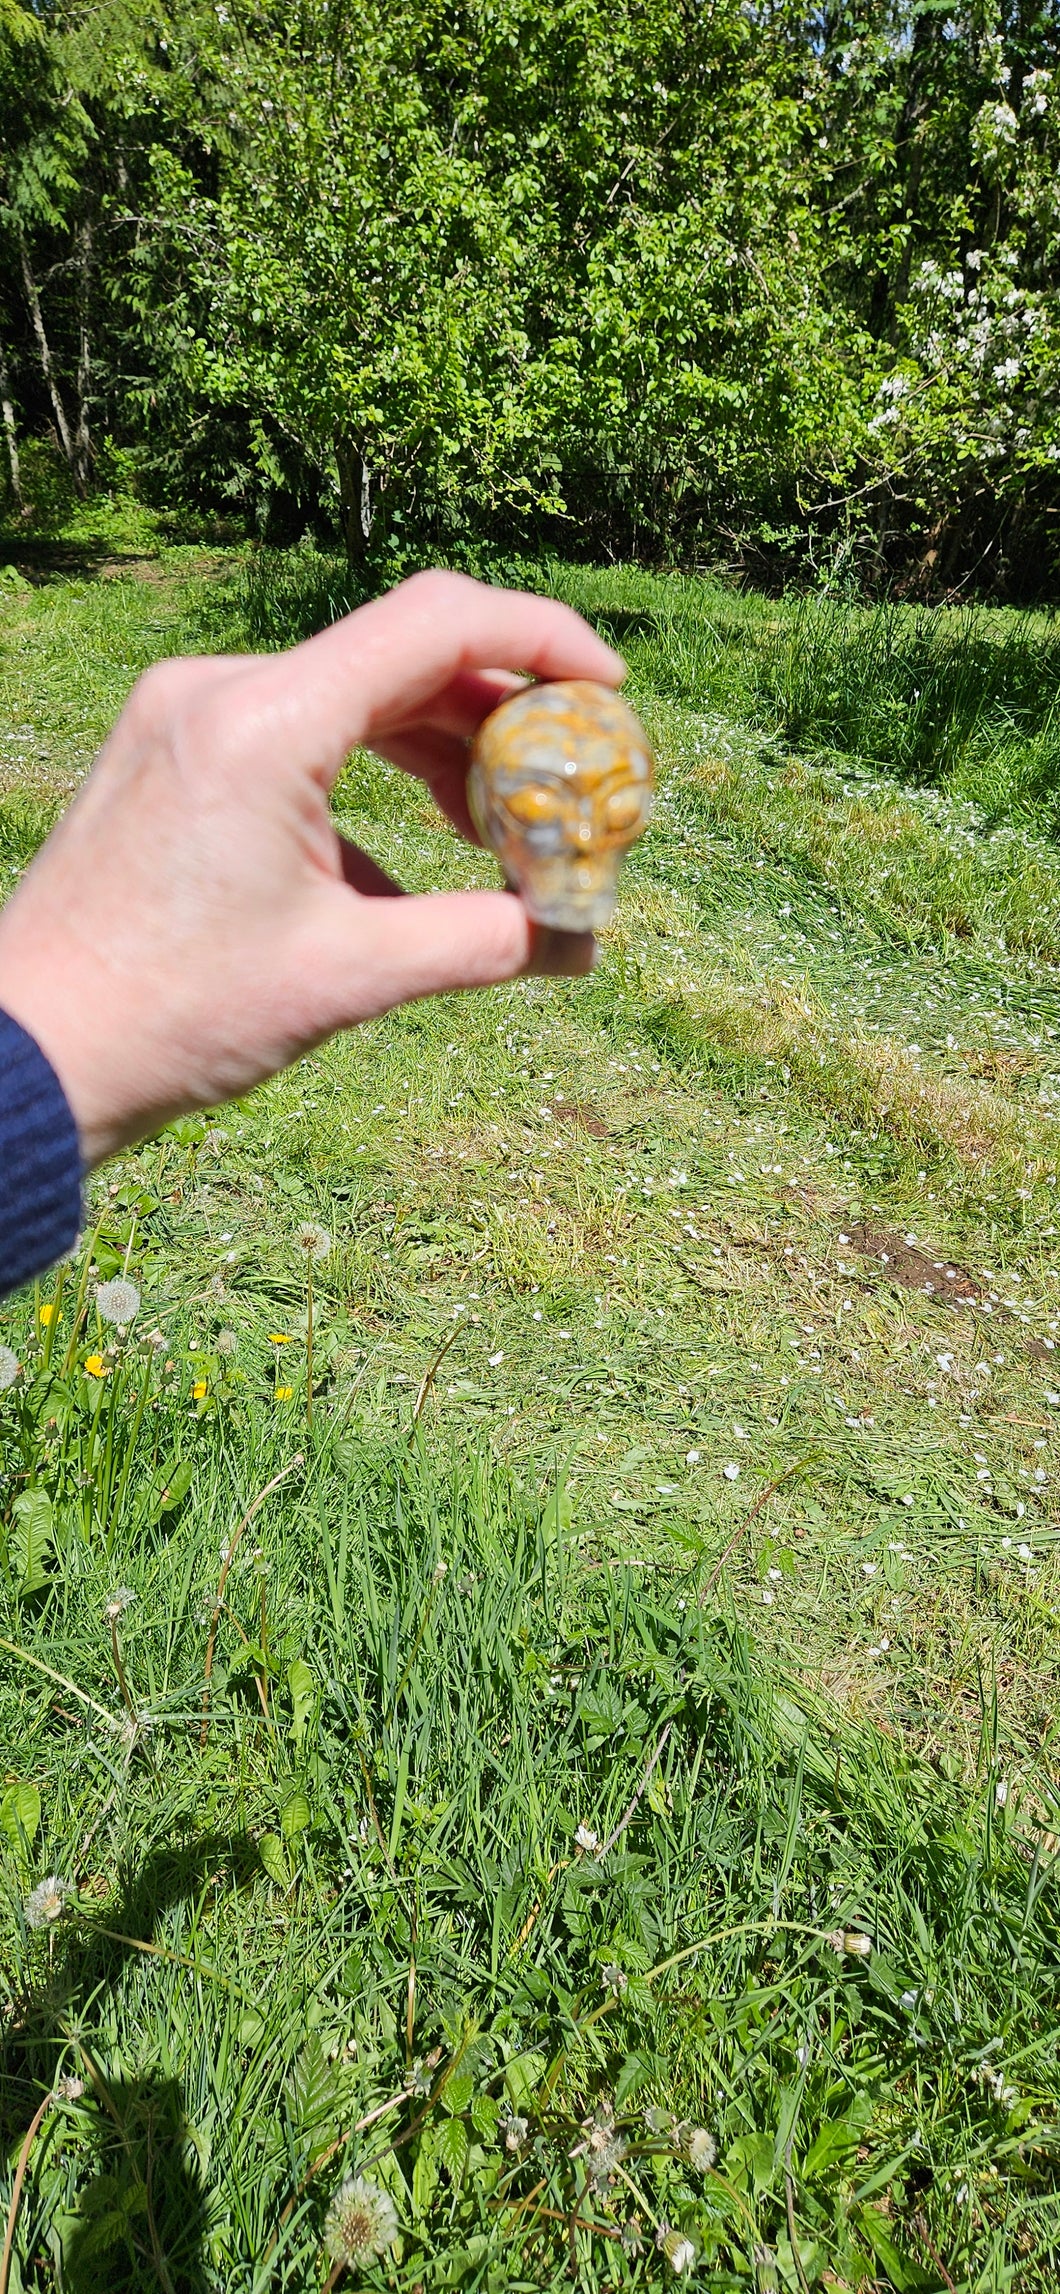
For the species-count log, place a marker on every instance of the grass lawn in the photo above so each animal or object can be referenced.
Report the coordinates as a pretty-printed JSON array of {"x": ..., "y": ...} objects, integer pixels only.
[{"x": 533, "y": 1655}]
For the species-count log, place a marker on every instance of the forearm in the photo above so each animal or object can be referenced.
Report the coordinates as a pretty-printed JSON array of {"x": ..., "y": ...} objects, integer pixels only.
[{"x": 40, "y": 1161}]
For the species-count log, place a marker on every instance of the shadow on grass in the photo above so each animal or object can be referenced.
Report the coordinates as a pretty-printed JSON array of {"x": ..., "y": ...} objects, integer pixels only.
[{"x": 140, "y": 2216}]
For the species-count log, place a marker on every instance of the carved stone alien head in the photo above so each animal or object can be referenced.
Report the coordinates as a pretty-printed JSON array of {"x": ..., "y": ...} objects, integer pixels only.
[{"x": 560, "y": 786}]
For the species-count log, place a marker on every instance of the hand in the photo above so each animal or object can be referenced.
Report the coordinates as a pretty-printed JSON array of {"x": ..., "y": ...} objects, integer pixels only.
[{"x": 195, "y": 922}]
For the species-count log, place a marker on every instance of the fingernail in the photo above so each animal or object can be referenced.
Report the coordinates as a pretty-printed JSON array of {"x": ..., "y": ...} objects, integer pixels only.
[{"x": 561, "y": 955}]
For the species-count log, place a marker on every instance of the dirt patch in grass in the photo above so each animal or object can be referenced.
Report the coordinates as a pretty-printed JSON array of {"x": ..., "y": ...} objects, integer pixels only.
[
  {"x": 587, "y": 1118},
  {"x": 903, "y": 1262}
]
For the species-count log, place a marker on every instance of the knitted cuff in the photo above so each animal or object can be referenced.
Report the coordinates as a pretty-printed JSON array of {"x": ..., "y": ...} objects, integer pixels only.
[{"x": 40, "y": 1160}]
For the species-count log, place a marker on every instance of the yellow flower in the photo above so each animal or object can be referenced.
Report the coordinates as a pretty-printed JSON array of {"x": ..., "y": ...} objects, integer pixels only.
[
  {"x": 95, "y": 1366},
  {"x": 198, "y": 1390},
  {"x": 278, "y": 1338},
  {"x": 47, "y": 1314},
  {"x": 284, "y": 1393}
]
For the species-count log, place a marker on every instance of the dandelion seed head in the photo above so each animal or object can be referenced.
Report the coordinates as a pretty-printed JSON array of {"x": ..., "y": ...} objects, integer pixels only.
[
  {"x": 118, "y": 1301},
  {"x": 361, "y": 2223},
  {"x": 680, "y": 2253},
  {"x": 9, "y": 1367},
  {"x": 313, "y": 1240},
  {"x": 844, "y": 1941},
  {"x": 700, "y": 2149},
  {"x": 47, "y": 1902},
  {"x": 122, "y": 1599}
]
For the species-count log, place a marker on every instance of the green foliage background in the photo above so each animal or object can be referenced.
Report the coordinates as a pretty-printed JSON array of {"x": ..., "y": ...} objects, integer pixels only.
[{"x": 749, "y": 282}]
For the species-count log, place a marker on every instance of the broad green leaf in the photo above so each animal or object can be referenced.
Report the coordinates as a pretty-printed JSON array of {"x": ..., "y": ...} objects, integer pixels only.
[
  {"x": 425, "y": 2170},
  {"x": 31, "y": 1537},
  {"x": 295, "y": 1815},
  {"x": 271, "y": 1851},
  {"x": 20, "y": 1815},
  {"x": 453, "y": 2148},
  {"x": 460, "y": 2265},
  {"x": 176, "y": 1488},
  {"x": 522, "y": 2078},
  {"x": 634, "y": 2074},
  {"x": 302, "y": 1688},
  {"x": 485, "y": 2115},
  {"x": 902, "y": 2274},
  {"x": 751, "y": 2155},
  {"x": 835, "y": 2140},
  {"x": 313, "y": 2087}
]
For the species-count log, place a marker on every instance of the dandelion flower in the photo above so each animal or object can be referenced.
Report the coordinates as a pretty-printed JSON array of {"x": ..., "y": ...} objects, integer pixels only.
[
  {"x": 47, "y": 1902},
  {"x": 95, "y": 1366},
  {"x": 849, "y": 1941},
  {"x": 361, "y": 2223},
  {"x": 604, "y": 2155},
  {"x": 313, "y": 1240},
  {"x": 199, "y": 1390},
  {"x": 122, "y": 1599},
  {"x": 118, "y": 1301},
  {"x": 279, "y": 1338},
  {"x": 680, "y": 2253},
  {"x": 47, "y": 1314},
  {"x": 9, "y": 1367},
  {"x": 282, "y": 1393},
  {"x": 700, "y": 2149}
]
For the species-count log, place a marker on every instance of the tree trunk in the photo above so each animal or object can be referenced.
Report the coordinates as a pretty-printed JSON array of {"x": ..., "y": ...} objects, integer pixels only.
[
  {"x": 10, "y": 436},
  {"x": 44, "y": 351},
  {"x": 82, "y": 437},
  {"x": 355, "y": 500}
]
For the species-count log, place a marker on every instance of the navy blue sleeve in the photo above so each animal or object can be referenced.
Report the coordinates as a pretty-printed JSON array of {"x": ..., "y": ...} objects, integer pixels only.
[{"x": 40, "y": 1160}]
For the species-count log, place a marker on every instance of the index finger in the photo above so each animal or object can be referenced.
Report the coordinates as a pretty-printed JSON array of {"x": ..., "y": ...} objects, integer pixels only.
[{"x": 382, "y": 666}]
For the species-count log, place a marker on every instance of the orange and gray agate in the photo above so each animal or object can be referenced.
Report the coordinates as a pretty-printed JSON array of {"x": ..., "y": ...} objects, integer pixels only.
[{"x": 560, "y": 786}]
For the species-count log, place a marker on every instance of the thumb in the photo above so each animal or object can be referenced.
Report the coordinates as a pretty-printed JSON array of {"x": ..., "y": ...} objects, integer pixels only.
[{"x": 373, "y": 953}]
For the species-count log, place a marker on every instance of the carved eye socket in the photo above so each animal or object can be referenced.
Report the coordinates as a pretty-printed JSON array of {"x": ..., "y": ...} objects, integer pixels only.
[
  {"x": 623, "y": 808},
  {"x": 533, "y": 805}
]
